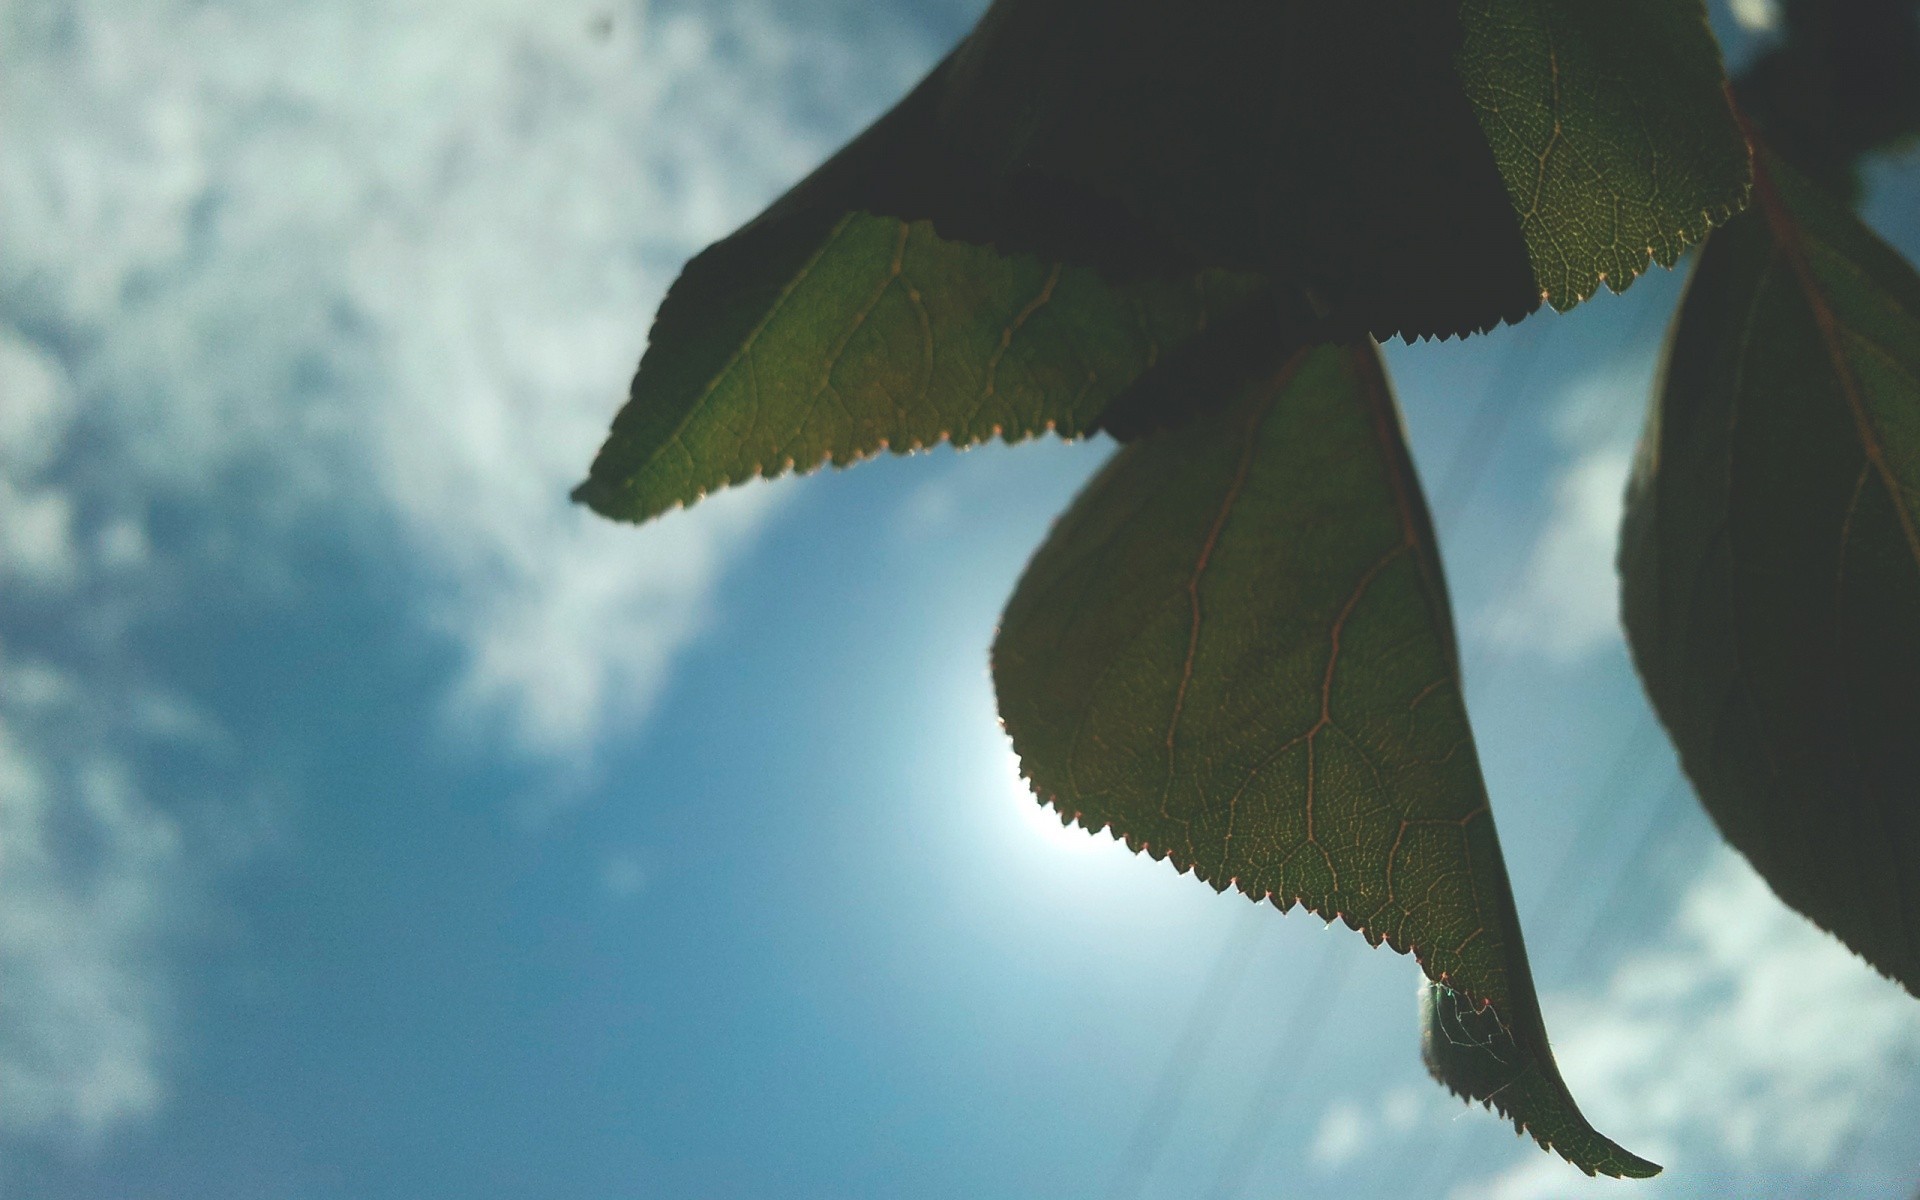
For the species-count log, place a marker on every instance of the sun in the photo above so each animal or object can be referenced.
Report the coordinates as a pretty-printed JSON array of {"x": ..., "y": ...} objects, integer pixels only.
[{"x": 1042, "y": 821}]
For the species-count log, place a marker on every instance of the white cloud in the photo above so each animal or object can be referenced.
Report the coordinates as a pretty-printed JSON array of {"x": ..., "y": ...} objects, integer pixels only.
[
  {"x": 1405, "y": 1107},
  {"x": 36, "y": 549},
  {"x": 1349, "y": 1128},
  {"x": 1565, "y": 604},
  {"x": 285, "y": 266},
  {"x": 400, "y": 261},
  {"x": 96, "y": 874},
  {"x": 1536, "y": 1177},
  {"x": 1747, "y": 1039},
  {"x": 1344, "y": 1131}
]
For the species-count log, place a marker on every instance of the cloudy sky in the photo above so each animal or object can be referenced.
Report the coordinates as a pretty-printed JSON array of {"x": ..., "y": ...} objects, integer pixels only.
[{"x": 376, "y": 823}]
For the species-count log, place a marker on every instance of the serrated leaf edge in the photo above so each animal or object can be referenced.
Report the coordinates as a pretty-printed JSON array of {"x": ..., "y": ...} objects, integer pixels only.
[{"x": 1327, "y": 912}]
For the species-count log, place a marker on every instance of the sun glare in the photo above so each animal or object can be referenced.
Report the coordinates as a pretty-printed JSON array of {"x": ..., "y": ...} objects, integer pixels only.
[{"x": 1044, "y": 822}]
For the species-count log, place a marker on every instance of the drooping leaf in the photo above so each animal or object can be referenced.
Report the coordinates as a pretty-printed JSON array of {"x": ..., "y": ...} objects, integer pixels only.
[
  {"x": 1771, "y": 560},
  {"x": 1611, "y": 128},
  {"x": 1325, "y": 143},
  {"x": 850, "y": 318},
  {"x": 1235, "y": 651}
]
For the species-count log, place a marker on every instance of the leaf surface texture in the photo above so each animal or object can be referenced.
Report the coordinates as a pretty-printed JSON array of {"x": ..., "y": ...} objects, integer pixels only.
[
  {"x": 1772, "y": 566},
  {"x": 827, "y": 331},
  {"x": 1612, "y": 131},
  {"x": 1235, "y": 651}
]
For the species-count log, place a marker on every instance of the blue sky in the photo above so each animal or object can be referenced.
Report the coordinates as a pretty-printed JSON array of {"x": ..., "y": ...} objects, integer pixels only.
[{"x": 375, "y": 823}]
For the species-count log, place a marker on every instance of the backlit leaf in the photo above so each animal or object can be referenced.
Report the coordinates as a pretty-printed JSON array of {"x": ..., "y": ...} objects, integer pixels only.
[
  {"x": 1771, "y": 560},
  {"x": 1235, "y": 651},
  {"x": 1367, "y": 148},
  {"x": 1417, "y": 170},
  {"x": 1611, "y": 128},
  {"x": 825, "y": 332},
  {"x": 1328, "y": 143}
]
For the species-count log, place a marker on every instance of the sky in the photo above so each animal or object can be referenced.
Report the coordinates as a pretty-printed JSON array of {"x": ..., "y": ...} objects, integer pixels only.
[{"x": 376, "y": 823}]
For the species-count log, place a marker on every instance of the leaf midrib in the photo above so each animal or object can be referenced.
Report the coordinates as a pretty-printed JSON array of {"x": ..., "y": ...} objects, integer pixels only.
[
  {"x": 1250, "y": 439},
  {"x": 676, "y": 436}
]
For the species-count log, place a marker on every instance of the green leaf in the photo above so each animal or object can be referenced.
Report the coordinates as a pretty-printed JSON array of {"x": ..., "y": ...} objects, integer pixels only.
[
  {"x": 1235, "y": 651},
  {"x": 1136, "y": 165},
  {"x": 1324, "y": 143},
  {"x": 825, "y": 332},
  {"x": 1772, "y": 566},
  {"x": 1426, "y": 168},
  {"x": 1612, "y": 130}
]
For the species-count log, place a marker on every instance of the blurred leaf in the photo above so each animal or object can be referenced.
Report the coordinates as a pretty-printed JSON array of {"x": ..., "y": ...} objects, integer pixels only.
[
  {"x": 822, "y": 332},
  {"x": 1771, "y": 560},
  {"x": 1612, "y": 130},
  {"x": 1843, "y": 81},
  {"x": 1235, "y": 651}
]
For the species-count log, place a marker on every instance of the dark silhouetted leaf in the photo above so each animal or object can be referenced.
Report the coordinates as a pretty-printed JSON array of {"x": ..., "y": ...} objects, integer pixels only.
[
  {"x": 1208, "y": 372},
  {"x": 1325, "y": 143},
  {"x": 821, "y": 331},
  {"x": 1413, "y": 169},
  {"x": 1772, "y": 566},
  {"x": 1611, "y": 128},
  {"x": 1366, "y": 148},
  {"x": 1842, "y": 82},
  {"x": 1235, "y": 651}
]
